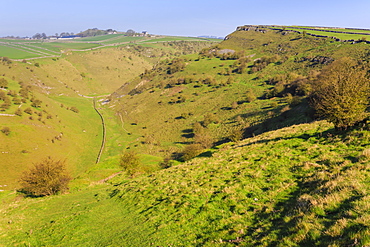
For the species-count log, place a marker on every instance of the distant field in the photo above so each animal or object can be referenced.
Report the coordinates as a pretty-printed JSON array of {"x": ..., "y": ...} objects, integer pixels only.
[
  {"x": 26, "y": 49},
  {"x": 123, "y": 39},
  {"x": 52, "y": 46},
  {"x": 19, "y": 40},
  {"x": 70, "y": 45},
  {"x": 343, "y": 36},
  {"x": 14, "y": 53},
  {"x": 22, "y": 50},
  {"x": 100, "y": 37},
  {"x": 167, "y": 39},
  {"x": 339, "y": 29}
]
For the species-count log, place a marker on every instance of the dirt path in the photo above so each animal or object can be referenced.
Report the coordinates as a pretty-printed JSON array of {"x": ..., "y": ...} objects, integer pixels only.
[
  {"x": 106, "y": 179},
  {"x": 120, "y": 116},
  {"x": 104, "y": 132}
]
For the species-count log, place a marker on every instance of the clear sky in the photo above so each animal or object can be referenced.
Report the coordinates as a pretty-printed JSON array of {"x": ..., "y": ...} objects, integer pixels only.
[{"x": 175, "y": 17}]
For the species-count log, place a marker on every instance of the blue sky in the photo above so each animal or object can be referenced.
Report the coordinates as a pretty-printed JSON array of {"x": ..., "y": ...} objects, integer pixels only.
[{"x": 175, "y": 17}]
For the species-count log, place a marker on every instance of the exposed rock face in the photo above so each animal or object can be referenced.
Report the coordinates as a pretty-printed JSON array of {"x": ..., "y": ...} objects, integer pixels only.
[
  {"x": 224, "y": 51},
  {"x": 319, "y": 60},
  {"x": 284, "y": 31}
]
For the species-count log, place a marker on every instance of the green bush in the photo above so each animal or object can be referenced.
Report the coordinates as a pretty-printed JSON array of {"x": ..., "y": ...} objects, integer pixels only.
[
  {"x": 341, "y": 93},
  {"x": 74, "y": 109},
  {"x": 6, "y": 130},
  {"x": 236, "y": 134},
  {"x": 191, "y": 151},
  {"x": 130, "y": 162},
  {"x": 36, "y": 103},
  {"x": 18, "y": 112},
  {"x": 3, "y": 83},
  {"x": 210, "y": 118},
  {"x": 28, "y": 110},
  {"x": 49, "y": 177},
  {"x": 250, "y": 96}
]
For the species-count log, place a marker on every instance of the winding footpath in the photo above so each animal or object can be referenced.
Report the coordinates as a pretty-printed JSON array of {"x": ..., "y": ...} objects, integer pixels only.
[{"x": 104, "y": 132}]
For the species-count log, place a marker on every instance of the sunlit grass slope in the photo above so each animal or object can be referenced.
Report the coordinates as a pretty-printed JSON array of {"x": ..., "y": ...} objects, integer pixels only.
[
  {"x": 298, "y": 186},
  {"x": 53, "y": 129},
  {"x": 50, "y": 130},
  {"x": 164, "y": 106}
]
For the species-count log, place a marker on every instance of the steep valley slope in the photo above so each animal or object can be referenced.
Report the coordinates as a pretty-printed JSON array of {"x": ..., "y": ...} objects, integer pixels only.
[{"x": 47, "y": 105}]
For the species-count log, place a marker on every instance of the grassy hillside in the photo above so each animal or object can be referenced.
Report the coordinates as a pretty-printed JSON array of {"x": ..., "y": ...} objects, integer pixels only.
[
  {"x": 49, "y": 129},
  {"x": 298, "y": 186},
  {"x": 252, "y": 82},
  {"x": 52, "y": 128}
]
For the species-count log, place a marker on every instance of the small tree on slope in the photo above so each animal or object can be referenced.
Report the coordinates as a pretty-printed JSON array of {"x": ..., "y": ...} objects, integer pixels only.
[
  {"x": 341, "y": 93},
  {"x": 46, "y": 178}
]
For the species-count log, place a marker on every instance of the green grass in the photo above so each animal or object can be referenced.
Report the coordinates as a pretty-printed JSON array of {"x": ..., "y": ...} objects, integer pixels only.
[
  {"x": 341, "y": 29},
  {"x": 167, "y": 39},
  {"x": 49, "y": 46},
  {"x": 70, "y": 45},
  {"x": 303, "y": 184},
  {"x": 261, "y": 191},
  {"x": 59, "y": 81},
  {"x": 342, "y": 36},
  {"x": 52, "y": 48},
  {"x": 124, "y": 39},
  {"x": 100, "y": 37},
  {"x": 14, "y": 53},
  {"x": 39, "y": 47},
  {"x": 154, "y": 113},
  {"x": 79, "y": 137}
]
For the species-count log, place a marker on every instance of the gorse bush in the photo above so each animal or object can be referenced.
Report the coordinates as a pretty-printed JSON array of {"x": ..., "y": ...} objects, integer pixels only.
[{"x": 46, "y": 178}]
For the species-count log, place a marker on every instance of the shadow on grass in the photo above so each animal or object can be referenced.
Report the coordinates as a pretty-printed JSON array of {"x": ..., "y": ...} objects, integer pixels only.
[
  {"x": 187, "y": 133},
  {"x": 299, "y": 114},
  {"x": 287, "y": 218},
  {"x": 206, "y": 154}
]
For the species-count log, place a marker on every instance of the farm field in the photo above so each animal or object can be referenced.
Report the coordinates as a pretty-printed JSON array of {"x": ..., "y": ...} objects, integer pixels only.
[
  {"x": 27, "y": 49},
  {"x": 348, "y": 30},
  {"x": 99, "y": 37},
  {"x": 15, "y": 53},
  {"x": 340, "y": 33},
  {"x": 342, "y": 36}
]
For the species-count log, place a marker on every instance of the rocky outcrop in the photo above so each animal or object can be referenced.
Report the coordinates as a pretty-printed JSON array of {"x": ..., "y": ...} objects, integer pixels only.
[{"x": 284, "y": 31}]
